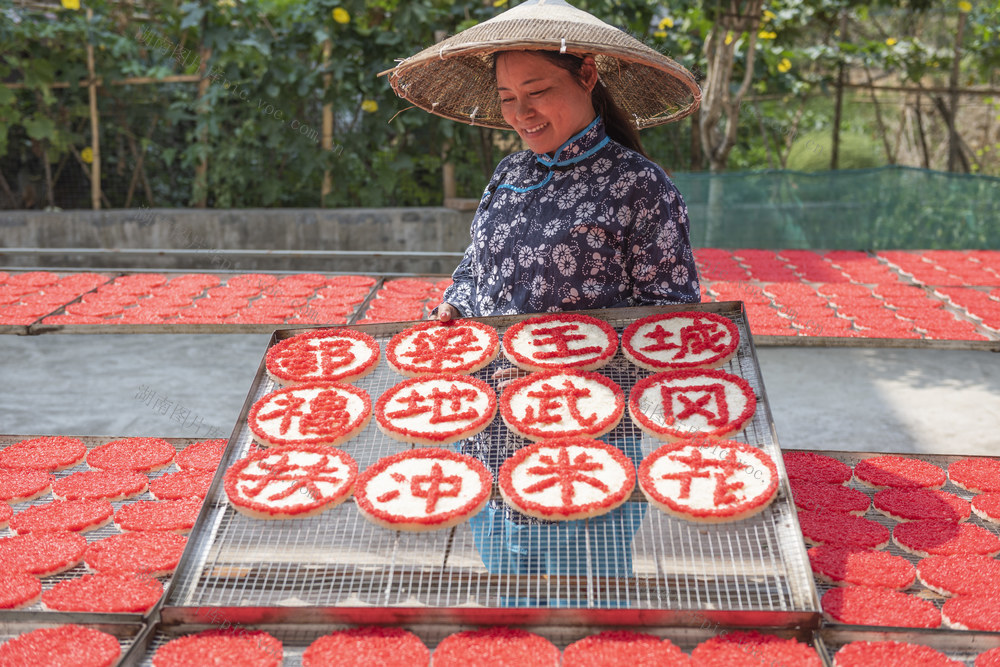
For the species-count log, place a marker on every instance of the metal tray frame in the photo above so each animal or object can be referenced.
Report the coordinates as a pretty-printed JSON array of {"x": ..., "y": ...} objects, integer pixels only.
[
  {"x": 917, "y": 588},
  {"x": 35, "y": 611},
  {"x": 750, "y": 573}
]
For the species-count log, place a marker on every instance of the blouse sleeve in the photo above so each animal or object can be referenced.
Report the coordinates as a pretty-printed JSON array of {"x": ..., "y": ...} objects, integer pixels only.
[
  {"x": 663, "y": 268},
  {"x": 460, "y": 293}
]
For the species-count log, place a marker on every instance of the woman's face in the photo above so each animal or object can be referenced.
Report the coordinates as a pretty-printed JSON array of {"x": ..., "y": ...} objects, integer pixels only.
[{"x": 543, "y": 102}]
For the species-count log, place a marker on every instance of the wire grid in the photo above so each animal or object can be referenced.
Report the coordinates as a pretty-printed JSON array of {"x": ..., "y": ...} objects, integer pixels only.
[
  {"x": 961, "y": 646},
  {"x": 126, "y": 633},
  {"x": 638, "y": 558},
  {"x": 96, "y": 534},
  {"x": 942, "y": 461},
  {"x": 296, "y": 638}
]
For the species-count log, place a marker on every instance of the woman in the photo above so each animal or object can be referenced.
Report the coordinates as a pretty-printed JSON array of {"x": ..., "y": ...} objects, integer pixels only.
[{"x": 582, "y": 219}]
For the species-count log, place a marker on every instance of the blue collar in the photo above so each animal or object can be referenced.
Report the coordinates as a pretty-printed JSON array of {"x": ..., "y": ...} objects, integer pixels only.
[{"x": 579, "y": 147}]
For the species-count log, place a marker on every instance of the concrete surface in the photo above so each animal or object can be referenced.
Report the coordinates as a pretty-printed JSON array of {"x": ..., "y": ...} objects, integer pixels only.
[{"x": 891, "y": 400}]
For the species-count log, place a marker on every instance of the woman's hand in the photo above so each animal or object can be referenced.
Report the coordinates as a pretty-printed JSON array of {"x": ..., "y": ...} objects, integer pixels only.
[{"x": 447, "y": 312}]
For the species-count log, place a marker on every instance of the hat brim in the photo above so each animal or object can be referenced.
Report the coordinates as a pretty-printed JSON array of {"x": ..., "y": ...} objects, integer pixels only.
[{"x": 455, "y": 79}]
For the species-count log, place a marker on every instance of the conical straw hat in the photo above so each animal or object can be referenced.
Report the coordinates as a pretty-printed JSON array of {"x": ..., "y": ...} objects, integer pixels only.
[{"x": 455, "y": 79}]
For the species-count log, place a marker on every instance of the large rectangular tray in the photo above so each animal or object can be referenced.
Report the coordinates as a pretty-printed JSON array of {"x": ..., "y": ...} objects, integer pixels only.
[
  {"x": 295, "y": 638},
  {"x": 940, "y": 460},
  {"x": 339, "y": 567},
  {"x": 36, "y": 610}
]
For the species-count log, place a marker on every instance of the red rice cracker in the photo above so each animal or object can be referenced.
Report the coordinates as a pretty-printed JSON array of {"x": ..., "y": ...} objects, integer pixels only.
[
  {"x": 843, "y": 529},
  {"x": 624, "y": 648},
  {"x": 891, "y": 654},
  {"x": 751, "y": 648},
  {"x": 24, "y": 484},
  {"x": 176, "y": 516},
  {"x": 247, "y": 648},
  {"x": 916, "y": 504},
  {"x": 899, "y": 472},
  {"x": 960, "y": 574},
  {"x": 182, "y": 485},
  {"x": 49, "y": 453},
  {"x": 987, "y": 507},
  {"x": 373, "y": 645},
  {"x": 64, "y": 645},
  {"x": 149, "y": 553},
  {"x": 41, "y": 554},
  {"x": 813, "y": 467},
  {"x": 73, "y": 515},
  {"x": 136, "y": 454},
  {"x": 496, "y": 647},
  {"x": 560, "y": 340},
  {"x": 115, "y": 593},
  {"x": 858, "y": 566},
  {"x": 829, "y": 497},
  {"x": 109, "y": 485},
  {"x": 865, "y": 605},
  {"x": 203, "y": 456},
  {"x": 944, "y": 538},
  {"x": 977, "y": 474},
  {"x": 979, "y": 612},
  {"x": 680, "y": 340},
  {"x": 18, "y": 589}
]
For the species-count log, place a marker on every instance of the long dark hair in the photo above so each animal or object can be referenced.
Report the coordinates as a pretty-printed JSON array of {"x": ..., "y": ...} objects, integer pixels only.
[{"x": 616, "y": 123}]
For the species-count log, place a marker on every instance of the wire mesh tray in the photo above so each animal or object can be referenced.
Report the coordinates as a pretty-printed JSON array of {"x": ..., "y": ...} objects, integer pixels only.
[
  {"x": 638, "y": 566},
  {"x": 961, "y": 646},
  {"x": 942, "y": 461},
  {"x": 295, "y": 638},
  {"x": 91, "y": 536},
  {"x": 18, "y": 623}
]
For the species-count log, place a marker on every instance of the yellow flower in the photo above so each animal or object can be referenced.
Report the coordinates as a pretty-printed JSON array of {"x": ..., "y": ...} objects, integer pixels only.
[
  {"x": 371, "y": 106},
  {"x": 497, "y": 3},
  {"x": 666, "y": 22},
  {"x": 891, "y": 41},
  {"x": 784, "y": 65},
  {"x": 71, "y": 4},
  {"x": 764, "y": 34},
  {"x": 660, "y": 34},
  {"x": 964, "y": 6},
  {"x": 87, "y": 154},
  {"x": 729, "y": 38},
  {"x": 769, "y": 15},
  {"x": 340, "y": 15}
]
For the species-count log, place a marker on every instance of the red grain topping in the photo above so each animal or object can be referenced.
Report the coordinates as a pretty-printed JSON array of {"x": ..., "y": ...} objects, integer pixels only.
[
  {"x": 989, "y": 658},
  {"x": 829, "y": 497},
  {"x": 891, "y": 654},
  {"x": 960, "y": 574},
  {"x": 752, "y": 647},
  {"x": 50, "y": 453},
  {"x": 495, "y": 647},
  {"x": 73, "y": 644},
  {"x": 5, "y": 514},
  {"x": 325, "y": 418},
  {"x": 864, "y": 605},
  {"x": 182, "y": 485},
  {"x": 72, "y": 515},
  {"x": 915, "y": 504},
  {"x": 152, "y": 553},
  {"x": 382, "y": 646},
  {"x": 435, "y": 347},
  {"x": 41, "y": 554},
  {"x": 842, "y": 529},
  {"x": 100, "y": 484},
  {"x": 900, "y": 472},
  {"x": 987, "y": 506},
  {"x": 551, "y": 405},
  {"x": 452, "y": 414},
  {"x": 980, "y": 612},
  {"x": 329, "y": 355},
  {"x": 862, "y": 567},
  {"x": 247, "y": 648},
  {"x": 177, "y": 516},
  {"x": 25, "y": 484},
  {"x": 624, "y": 648},
  {"x": 205, "y": 455},
  {"x": 119, "y": 593},
  {"x": 976, "y": 474},
  {"x": 135, "y": 454},
  {"x": 813, "y": 467},
  {"x": 944, "y": 538},
  {"x": 18, "y": 589},
  {"x": 705, "y": 340}
]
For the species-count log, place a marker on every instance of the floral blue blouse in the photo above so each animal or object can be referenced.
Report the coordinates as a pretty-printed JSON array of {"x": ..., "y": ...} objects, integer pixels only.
[{"x": 595, "y": 226}]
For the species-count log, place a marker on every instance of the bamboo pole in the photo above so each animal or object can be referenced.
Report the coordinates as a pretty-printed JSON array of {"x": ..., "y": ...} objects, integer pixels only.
[
  {"x": 95, "y": 125},
  {"x": 201, "y": 171},
  {"x": 327, "y": 145}
]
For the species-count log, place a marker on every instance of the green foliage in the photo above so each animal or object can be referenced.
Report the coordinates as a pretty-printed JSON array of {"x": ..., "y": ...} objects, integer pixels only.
[{"x": 813, "y": 152}]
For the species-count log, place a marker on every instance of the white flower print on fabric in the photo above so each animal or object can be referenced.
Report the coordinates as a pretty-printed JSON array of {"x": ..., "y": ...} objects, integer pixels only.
[
  {"x": 591, "y": 288},
  {"x": 552, "y": 227},
  {"x": 586, "y": 210},
  {"x": 507, "y": 267},
  {"x": 562, "y": 255},
  {"x": 596, "y": 237},
  {"x": 679, "y": 274},
  {"x": 601, "y": 165},
  {"x": 572, "y": 195}
]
